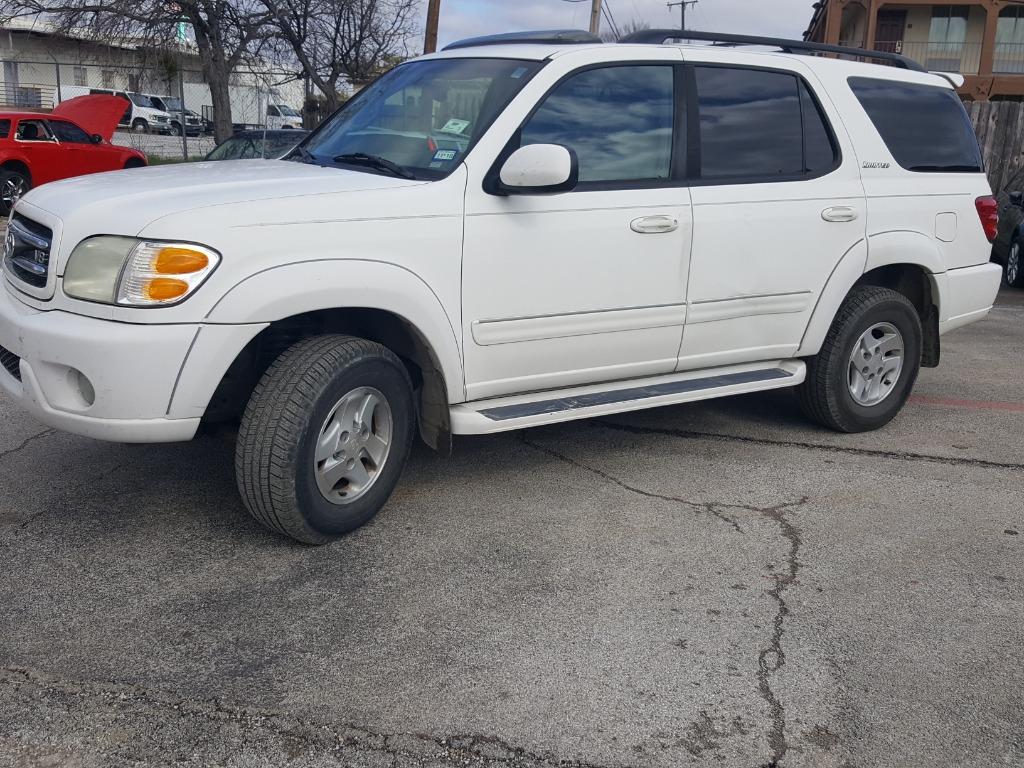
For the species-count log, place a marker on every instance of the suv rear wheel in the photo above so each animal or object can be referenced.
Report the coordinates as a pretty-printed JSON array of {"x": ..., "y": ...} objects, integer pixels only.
[
  {"x": 868, "y": 363},
  {"x": 325, "y": 437}
]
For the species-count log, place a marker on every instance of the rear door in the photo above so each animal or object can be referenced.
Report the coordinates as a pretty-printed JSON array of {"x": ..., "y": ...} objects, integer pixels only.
[{"x": 777, "y": 202}]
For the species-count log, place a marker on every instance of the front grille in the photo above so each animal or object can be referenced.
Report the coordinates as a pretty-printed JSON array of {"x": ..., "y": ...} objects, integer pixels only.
[
  {"x": 27, "y": 251},
  {"x": 11, "y": 362}
]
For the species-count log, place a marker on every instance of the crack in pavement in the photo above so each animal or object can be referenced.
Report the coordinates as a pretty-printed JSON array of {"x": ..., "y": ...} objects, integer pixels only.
[
  {"x": 289, "y": 730},
  {"x": 773, "y": 658},
  {"x": 26, "y": 442},
  {"x": 711, "y": 508},
  {"x": 902, "y": 455}
]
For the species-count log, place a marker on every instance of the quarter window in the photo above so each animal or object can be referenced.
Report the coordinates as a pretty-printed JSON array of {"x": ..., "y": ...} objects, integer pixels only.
[
  {"x": 757, "y": 125},
  {"x": 5, "y": 129},
  {"x": 925, "y": 127},
  {"x": 618, "y": 120}
]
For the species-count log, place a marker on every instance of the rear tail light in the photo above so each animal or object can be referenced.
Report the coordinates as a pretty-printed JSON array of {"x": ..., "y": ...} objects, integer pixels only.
[{"x": 988, "y": 212}]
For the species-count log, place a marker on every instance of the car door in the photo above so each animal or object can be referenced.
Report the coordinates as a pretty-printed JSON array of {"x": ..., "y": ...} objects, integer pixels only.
[
  {"x": 36, "y": 143},
  {"x": 589, "y": 285},
  {"x": 777, "y": 202},
  {"x": 81, "y": 156}
]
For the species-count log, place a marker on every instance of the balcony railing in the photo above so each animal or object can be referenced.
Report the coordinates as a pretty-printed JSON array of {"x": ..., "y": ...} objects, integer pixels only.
[{"x": 1008, "y": 58}]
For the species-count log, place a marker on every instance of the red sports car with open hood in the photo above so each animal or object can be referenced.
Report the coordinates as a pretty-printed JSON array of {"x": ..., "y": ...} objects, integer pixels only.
[{"x": 72, "y": 140}]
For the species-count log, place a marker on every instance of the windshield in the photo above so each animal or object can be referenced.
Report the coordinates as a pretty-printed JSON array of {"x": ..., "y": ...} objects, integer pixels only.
[
  {"x": 141, "y": 101},
  {"x": 170, "y": 104},
  {"x": 288, "y": 111},
  {"x": 255, "y": 146},
  {"x": 423, "y": 116}
]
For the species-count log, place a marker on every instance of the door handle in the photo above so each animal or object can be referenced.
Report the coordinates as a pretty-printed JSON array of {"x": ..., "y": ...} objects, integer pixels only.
[
  {"x": 839, "y": 213},
  {"x": 654, "y": 225}
]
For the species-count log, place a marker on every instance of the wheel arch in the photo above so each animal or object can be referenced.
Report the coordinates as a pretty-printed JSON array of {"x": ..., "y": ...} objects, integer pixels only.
[
  {"x": 372, "y": 300},
  {"x": 16, "y": 164},
  {"x": 906, "y": 262}
]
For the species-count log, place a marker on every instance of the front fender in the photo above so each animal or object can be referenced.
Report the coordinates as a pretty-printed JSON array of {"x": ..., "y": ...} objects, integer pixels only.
[{"x": 308, "y": 286}]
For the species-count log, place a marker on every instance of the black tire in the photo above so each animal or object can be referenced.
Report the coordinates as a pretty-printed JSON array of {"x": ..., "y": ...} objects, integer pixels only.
[
  {"x": 825, "y": 396},
  {"x": 13, "y": 184},
  {"x": 140, "y": 126},
  {"x": 275, "y": 452},
  {"x": 1013, "y": 269},
  {"x": 134, "y": 163}
]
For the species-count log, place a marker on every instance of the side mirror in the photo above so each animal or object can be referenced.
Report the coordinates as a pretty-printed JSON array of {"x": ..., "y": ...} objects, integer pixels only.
[
  {"x": 1017, "y": 198},
  {"x": 540, "y": 169},
  {"x": 96, "y": 139}
]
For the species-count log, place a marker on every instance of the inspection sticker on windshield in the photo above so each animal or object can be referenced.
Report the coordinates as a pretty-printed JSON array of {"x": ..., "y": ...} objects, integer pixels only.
[
  {"x": 445, "y": 155},
  {"x": 455, "y": 126}
]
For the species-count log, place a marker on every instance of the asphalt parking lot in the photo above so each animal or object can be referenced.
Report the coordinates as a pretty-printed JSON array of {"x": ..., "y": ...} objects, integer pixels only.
[{"x": 714, "y": 584}]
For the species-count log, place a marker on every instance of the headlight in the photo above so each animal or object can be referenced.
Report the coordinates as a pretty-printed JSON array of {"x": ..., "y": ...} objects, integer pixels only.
[{"x": 137, "y": 273}]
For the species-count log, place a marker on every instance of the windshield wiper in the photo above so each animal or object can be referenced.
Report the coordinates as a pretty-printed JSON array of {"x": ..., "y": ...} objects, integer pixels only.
[{"x": 375, "y": 161}]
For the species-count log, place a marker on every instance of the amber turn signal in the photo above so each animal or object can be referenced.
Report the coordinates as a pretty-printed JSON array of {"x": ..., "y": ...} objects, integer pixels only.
[
  {"x": 179, "y": 261},
  {"x": 165, "y": 289}
]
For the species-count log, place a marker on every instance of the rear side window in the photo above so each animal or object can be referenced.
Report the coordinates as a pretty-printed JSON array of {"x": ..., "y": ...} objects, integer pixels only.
[
  {"x": 758, "y": 125},
  {"x": 618, "y": 119},
  {"x": 5, "y": 129},
  {"x": 925, "y": 127}
]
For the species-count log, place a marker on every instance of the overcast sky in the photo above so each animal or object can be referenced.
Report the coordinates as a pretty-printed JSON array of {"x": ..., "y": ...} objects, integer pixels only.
[{"x": 466, "y": 18}]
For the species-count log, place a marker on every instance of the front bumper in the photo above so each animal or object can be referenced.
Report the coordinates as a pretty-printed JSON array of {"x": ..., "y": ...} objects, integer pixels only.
[{"x": 106, "y": 380}]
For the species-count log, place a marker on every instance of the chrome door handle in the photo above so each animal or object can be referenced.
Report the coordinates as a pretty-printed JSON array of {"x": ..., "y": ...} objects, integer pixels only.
[
  {"x": 654, "y": 225},
  {"x": 839, "y": 213}
]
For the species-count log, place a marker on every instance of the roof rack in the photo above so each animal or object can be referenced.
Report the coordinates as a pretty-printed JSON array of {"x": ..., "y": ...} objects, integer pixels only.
[
  {"x": 548, "y": 37},
  {"x": 659, "y": 36}
]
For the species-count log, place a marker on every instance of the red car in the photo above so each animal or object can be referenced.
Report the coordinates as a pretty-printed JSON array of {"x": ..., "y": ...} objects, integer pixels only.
[{"x": 72, "y": 140}]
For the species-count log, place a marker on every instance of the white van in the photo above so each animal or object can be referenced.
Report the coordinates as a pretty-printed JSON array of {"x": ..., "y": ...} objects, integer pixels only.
[
  {"x": 281, "y": 116},
  {"x": 142, "y": 116}
]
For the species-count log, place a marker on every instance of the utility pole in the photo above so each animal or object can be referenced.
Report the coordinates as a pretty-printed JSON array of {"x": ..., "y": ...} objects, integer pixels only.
[
  {"x": 682, "y": 7},
  {"x": 595, "y": 16},
  {"x": 433, "y": 19}
]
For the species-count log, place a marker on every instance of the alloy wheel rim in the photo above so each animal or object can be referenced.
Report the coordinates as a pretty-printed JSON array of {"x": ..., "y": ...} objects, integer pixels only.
[
  {"x": 14, "y": 188},
  {"x": 353, "y": 445},
  {"x": 876, "y": 363},
  {"x": 1013, "y": 264}
]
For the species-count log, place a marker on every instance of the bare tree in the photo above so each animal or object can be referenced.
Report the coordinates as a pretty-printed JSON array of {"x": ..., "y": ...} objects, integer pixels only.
[
  {"x": 338, "y": 40},
  {"x": 227, "y": 32}
]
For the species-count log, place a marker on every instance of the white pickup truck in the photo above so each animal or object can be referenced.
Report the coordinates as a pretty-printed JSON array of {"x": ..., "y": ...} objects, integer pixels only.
[{"x": 517, "y": 231}]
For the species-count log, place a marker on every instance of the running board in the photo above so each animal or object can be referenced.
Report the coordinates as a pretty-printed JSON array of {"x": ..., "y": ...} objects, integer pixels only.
[{"x": 502, "y": 414}]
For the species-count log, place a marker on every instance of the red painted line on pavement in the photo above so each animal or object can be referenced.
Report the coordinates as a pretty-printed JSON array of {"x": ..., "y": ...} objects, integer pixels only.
[{"x": 975, "y": 405}]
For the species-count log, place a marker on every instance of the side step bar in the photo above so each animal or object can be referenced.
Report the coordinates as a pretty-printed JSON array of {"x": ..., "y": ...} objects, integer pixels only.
[{"x": 520, "y": 411}]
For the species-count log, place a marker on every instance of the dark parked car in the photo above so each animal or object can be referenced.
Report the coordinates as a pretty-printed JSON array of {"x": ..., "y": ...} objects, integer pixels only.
[
  {"x": 1008, "y": 248},
  {"x": 254, "y": 145}
]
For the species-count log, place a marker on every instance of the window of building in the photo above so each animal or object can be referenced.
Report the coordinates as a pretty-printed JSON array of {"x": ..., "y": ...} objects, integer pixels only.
[
  {"x": 69, "y": 133},
  {"x": 925, "y": 127},
  {"x": 81, "y": 75},
  {"x": 760, "y": 125},
  {"x": 108, "y": 77},
  {"x": 619, "y": 121},
  {"x": 1009, "y": 51},
  {"x": 946, "y": 38}
]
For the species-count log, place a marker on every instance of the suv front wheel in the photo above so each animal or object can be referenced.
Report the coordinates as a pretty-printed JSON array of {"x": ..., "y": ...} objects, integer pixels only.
[
  {"x": 325, "y": 437},
  {"x": 868, "y": 363}
]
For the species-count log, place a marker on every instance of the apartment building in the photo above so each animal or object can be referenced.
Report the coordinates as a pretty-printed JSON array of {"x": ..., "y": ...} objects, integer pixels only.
[{"x": 981, "y": 39}]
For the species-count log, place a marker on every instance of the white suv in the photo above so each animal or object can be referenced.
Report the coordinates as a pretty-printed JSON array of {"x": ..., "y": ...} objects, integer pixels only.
[{"x": 517, "y": 231}]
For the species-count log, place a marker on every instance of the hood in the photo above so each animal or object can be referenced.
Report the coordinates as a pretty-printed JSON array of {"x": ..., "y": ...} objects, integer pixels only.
[
  {"x": 95, "y": 114},
  {"x": 125, "y": 202}
]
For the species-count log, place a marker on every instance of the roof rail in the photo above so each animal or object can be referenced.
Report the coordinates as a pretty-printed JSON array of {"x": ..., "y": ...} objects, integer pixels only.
[
  {"x": 659, "y": 36},
  {"x": 548, "y": 37}
]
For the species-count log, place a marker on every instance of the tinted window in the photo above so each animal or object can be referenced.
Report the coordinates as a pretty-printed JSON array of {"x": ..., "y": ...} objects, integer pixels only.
[
  {"x": 925, "y": 127},
  {"x": 759, "y": 125},
  {"x": 617, "y": 119},
  {"x": 67, "y": 132},
  {"x": 5, "y": 129}
]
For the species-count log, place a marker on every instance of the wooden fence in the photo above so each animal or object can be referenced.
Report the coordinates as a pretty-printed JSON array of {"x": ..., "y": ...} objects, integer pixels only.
[{"x": 1000, "y": 129}]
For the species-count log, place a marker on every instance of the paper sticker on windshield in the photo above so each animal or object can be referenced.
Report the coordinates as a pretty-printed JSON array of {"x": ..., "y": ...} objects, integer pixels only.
[
  {"x": 519, "y": 73},
  {"x": 445, "y": 155},
  {"x": 455, "y": 126}
]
